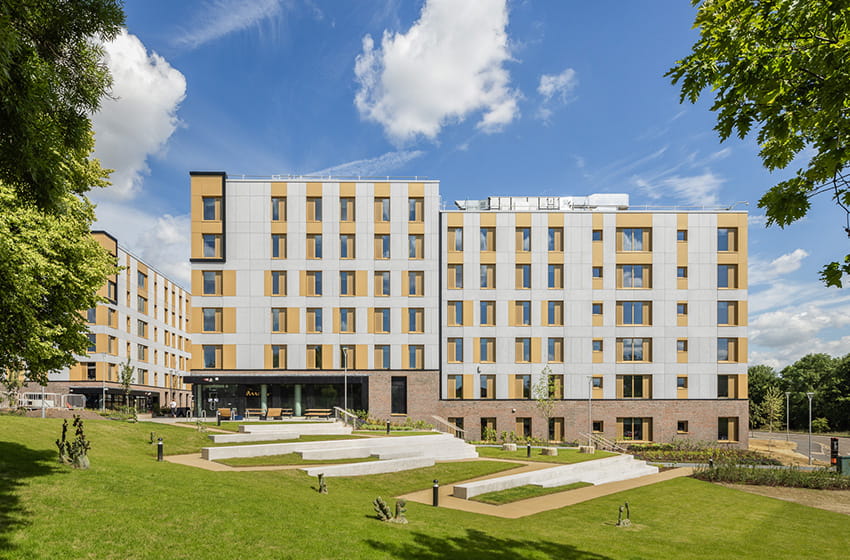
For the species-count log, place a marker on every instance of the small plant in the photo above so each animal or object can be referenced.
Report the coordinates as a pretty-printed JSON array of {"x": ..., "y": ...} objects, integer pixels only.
[
  {"x": 74, "y": 453},
  {"x": 489, "y": 434},
  {"x": 200, "y": 426},
  {"x": 323, "y": 486},
  {"x": 386, "y": 515},
  {"x": 153, "y": 438},
  {"x": 624, "y": 521},
  {"x": 820, "y": 425}
]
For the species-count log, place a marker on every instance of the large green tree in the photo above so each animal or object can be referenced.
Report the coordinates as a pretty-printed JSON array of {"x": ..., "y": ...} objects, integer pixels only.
[
  {"x": 781, "y": 67},
  {"x": 52, "y": 78}
]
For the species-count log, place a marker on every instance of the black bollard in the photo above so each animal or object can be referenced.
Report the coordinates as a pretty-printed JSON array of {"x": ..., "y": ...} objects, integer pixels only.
[
  {"x": 528, "y": 449},
  {"x": 388, "y": 427},
  {"x": 436, "y": 497},
  {"x": 159, "y": 450},
  {"x": 217, "y": 418},
  {"x": 710, "y": 463}
]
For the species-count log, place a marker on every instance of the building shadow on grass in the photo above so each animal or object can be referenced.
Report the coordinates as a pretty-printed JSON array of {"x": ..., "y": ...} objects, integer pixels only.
[
  {"x": 18, "y": 463},
  {"x": 477, "y": 544}
]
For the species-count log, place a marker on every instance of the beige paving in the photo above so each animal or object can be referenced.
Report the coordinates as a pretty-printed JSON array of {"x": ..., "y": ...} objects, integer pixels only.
[{"x": 531, "y": 506}]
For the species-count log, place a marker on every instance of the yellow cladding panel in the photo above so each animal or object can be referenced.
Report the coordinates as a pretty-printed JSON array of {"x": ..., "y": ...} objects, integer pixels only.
[
  {"x": 681, "y": 221},
  {"x": 742, "y": 384},
  {"x": 141, "y": 268},
  {"x": 405, "y": 283},
  {"x": 267, "y": 356},
  {"x": 314, "y": 189},
  {"x": 467, "y": 313},
  {"x": 370, "y": 320},
  {"x": 336, "y": 320},
  {"x": 278, "y": 188},
  {"x": 682, "y": 357},
  {"x": 206, "y": 185},
  {"x": 512, "y": 381},
  {"x": 536, "y": 350},
  {"x": 109, "y": 244},
  {"x": 228, "y": 278},
  {"x": 598, "y": 391},
  {"x": 196, "y": 318},
  {"x": 487, "y": 220},
  {"x": 197, "y": 281},
  {"x": 523, "y": 219},
  {"x": 732, "y": 220},
  {"x": 556, "y": 258},
  {"x": 347, "y": 189},
  {"x": 556, "y": 219},
  {"x": 743, "y": 319},
  {"x": 682, "y": 254},
  {"x": 382, "y": 228},
  {"x": 361, "y": 283},
  {"x": 486, "y": 257},
  {"x": 454, "y": 219},
  {"x": 597, "y": 254},
  {"x": 101, "y": 315},
  {"x": 302, "y": 283},
  {"x": 598, "y": 220},
  {"x": 454, "y": 258},
  {"x": 681, "y": 283},
  {"x": 278, "y": 227},
  {"x": 101, "y": 342},
  {"x": 523, "y": 258},
  {"x": 468, "y": 386},
  {"x": 197, "y": 356},
  {"x": 361, "y": 356},
  {"x": 416, "y": 189},
  {"x": 228, "y": 356},
  {"x": 228, "y": 320},
  {"x": 634, "y": 258},
  {"x": 416, "y": 227},
  {"x": 382, "y": 190},
  {"x": 634, "y": 220},
  {"x": 476, "y": 350},
  {"x": 313, "y": 227},
  {"x": 348, "y": 228},
  {"x": 742, "y": 350},
  {"x": 404, "y": 352},
  {"x": 327, "y": 350}
]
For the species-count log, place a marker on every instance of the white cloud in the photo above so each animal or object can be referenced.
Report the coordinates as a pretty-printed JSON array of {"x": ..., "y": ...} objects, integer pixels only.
[
  {"x": 222, "y": 17},
  {"x": 141, "y": 115},
  {"x": 372, "y": 167},
  {"x": 448, "y": 65},
  {"x": 694, "y": 190},
  {"x": 555, "y": 88},
  {"x": 783, "y": 336},
  {"x": 160, "y": 241},
  {"x": 763, "y": 273}
]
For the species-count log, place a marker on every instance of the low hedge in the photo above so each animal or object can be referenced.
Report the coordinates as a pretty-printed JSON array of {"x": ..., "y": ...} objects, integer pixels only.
[
  {"x": 791, "y": 477},
  {"x": 698, "y": 453}
]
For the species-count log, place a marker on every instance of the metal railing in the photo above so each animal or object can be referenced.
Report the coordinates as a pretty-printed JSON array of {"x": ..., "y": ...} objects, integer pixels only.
[
  {"x": 445, "y": 426},
  {"x": 346, "y": 417},
  {"x": 603, "y": 443}
]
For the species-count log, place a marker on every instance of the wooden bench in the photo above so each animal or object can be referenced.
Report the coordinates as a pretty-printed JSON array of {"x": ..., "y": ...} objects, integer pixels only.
[
  {"x": 277, "y": 413},
  {"x": 318, "y": 413},
  {"x": 258, "y": 412},
  {"x": 224, "y": 414}
]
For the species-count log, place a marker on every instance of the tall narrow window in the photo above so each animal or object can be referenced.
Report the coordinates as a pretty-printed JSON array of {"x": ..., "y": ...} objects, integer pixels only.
[
  {"x": 455, "y": 313},
  {"x": 487, "y": 312},
  {"x": 346, "y": 209},
  {"x": 212, "y": 208},
  {"x": 555, "y": 276},
  {"x": 488, "y": 276},
  {"x": 212, "y": 319},
  {"x": 556, "y": 239},
  {"x": 212, "y": 245},
  {"x": 314, "y": 209},
  {"x": 488, "y": 239},
  {"x": 415, "y": 283},
  {"x": 346, "y": 283},
  {"x": 523, "y": 350},
  {"x": 523, "y": 239},
  {"x": 382, "y": 320},
  {"x": 279, "y": 319},
  {"x": 555, "y": 313},
  {"x": 346, "y": 320},
  {"x": 415, "y": 356},
  {"x": 455, "y": 274},
  {"x": 212, "y": 356},
  {"x": 278, "y": 282},
  {"x": 314, "y": 320},
  {"x": 415, "y": 209},
  {"x": 727, "y": 276},
  {"x": 314, "y": 246},
  {"x": 382, "y": 209},
  {"x": 522, "y": 311},
  {"x": 555, "y": 350},
  {"x": 346, "y": 246},
  {"x": 278, "y": 209},
  {"x": 278, "y": 356},
  {"x": 416, "y": 246},
  {"x": 398, "y": 395},
  {"x": 314, "y": 356},
  {"x": 278, "y": 246},
  {"x": 382, "y": 283},
  {"x": 727, "y": 312},
  {"x": 314, "y": 283},
  {"x": 382, "y": 356},
  {"x": 523, "y": 276},
  {"x": 382, "y": 246},
  {"x": 488, "y": 386},
  {"x": 455, "y": 239},
  {"x": 487, "y": 350},
  {"x": 727, "y": 239},
  {"x": 455, "y": 350},
  {"x": 416, "y": 320}
]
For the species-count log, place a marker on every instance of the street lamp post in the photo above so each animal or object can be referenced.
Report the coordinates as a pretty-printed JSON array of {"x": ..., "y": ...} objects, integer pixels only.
[
  {"x": 787, "y": 415},
  {"x": 810, "y": 395},
  {"x": 345, "y": 378},
  {"x": 589, "y": 410}
]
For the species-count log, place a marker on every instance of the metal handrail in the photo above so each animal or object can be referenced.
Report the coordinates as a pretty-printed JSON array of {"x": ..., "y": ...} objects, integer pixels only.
[
  {"x": 339, "y": 412},
  {"x": 604, "y": 443},
  {"x": 452, "y": 428}
]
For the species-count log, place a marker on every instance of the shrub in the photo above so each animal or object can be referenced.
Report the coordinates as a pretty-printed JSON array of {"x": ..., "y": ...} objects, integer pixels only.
[
  {"x": 820, "y": 425},
  {"x": 820, "y": 479},
  {"x": 686, "y": 451}
]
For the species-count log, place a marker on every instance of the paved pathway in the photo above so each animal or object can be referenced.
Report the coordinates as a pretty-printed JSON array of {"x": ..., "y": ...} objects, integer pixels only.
[{"x": 820, "y": 444}]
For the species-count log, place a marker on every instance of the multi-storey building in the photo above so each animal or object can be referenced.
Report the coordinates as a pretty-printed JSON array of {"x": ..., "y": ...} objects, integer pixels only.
[
  {"x": 143, "y": 321},
  {"x": 307, "y": 290}
]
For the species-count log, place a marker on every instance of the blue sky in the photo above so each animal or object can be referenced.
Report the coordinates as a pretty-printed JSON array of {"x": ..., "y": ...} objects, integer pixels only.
[{"x": 489, "y": 97}]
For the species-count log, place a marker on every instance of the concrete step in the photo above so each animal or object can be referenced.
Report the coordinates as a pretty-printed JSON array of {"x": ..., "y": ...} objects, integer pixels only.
[
  {"x": 333, "y": 453},
  {"x": 262, "y": 436},
  {"x": 385, "y": 455},
  {"x": 371, "y": 467},
  {"x": 327, "y": 428}
]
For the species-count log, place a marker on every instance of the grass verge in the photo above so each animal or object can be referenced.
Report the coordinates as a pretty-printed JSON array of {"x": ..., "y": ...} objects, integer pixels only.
[
  {"x": 564, "y": 456},
  {"x": 524, "y": 492},
  {"x": 791, "y": 477},
  {"x": 287, "y": 459}
]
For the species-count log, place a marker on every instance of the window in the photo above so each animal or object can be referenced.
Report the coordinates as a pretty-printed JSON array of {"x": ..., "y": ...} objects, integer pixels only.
[
  {"x": 111, "y": 291},
  {"x": 347, "y": 283},
  {"x": 415, "y": 356},
  {"x": 92, "y": 343},
  {"x": 597, "y": 345},
  {"x": 682, "y": 345},
  {"x": 212, "y": 208},
  {"x": 278, "y": 209},
  {"x": 278, "y": 319},
  {"x": 415, "y": 207},
  {"x": 455, "y": 239},
  {"x": 635, "y": 429},
  {"x": 382, "y": 246},
  {"x": 346, "y": 246},
  {"x": 382, "y": 320},
  {"x": 314, "y": 356},
  {"x": 487, "y": 312},
  {"x": 681, "y": 308},
  {"x": 727, "y": 239},
  {"x": 488, "y": 276},
  {"x": 212, "y": 245},
  {"x": 314, "y": 282},
  {"x": 455, "y": 276},
  {"x": 141, "y": 279},
  {"x": 278, "y": 356},
  {"x": 91, "y": 370},
  {"x": 596, "y": 382},
  {"x": 347, "y": 354},
  {"x": 597, "y": 235},
  {"x": 212, "y": 356},
  {"x": 415, "y": 283},
  {"x": 555, "y": 350},
  {"x": 597, "y": 271},
  {"x": 398, "y": 395},
  {"x": 727, "y": 429},
  {"x": 555, "y": 276},
  {"x": 556, "y": 239},
  {"x": 523, "y": 276},
  {"x": 635, "y": 349},
  {"x": 487, "y": 238},
  {"x": 91, "y": 315},
  {"x": 382, "y": 356},
  {"x": 382, "y": 209},
  {"x": 523, "y": 350},
  {"x": 347, "y": 320},
  {"x": 346, "y": 209},
  {"x": 382, "y": 283},
  {"x": 523, "y": 239},
  {"x": 727, "y": 276},
  {"x": 633, "y": 276},
  {"x": 681, "y": 235},
  {"x": 634, "y": 313},
  {"x": 596, "y": 308},
  {"x": 415, "y": 246},
  {"x": 111, "y": 317},
  {"x": 598, "y": 426},
  {"x": 278, "y": 246},
  {"x": 487, "y": 350},
  {"x": 142, "y": 352},
  {"x": 681, "y": 272},
  {"x": 314, "y": 209},
  {"x": 314, "y": 319},
  {"x": 727, "y": 312},
  {"x": 727, "y": 349},
  {"x": 633, "y": 239},
  {"x": 487, "y": 386},
  {"x": 455, "y": 387},
  {"x": 141, "y": 304},
  {"x": 555, "y": 313},
  {"x": 633, "y": 386},
  {"x": 455, "y": 350},
  {"x": 314, "y": 245},
  {"x": 455, "y": 313},
  {"x": 212, "y": 319},
  {"x": 523, "y": 386},
  {"x": 522, "y": 313},
  {"x": 278, "y": 278},
  {"x": 681, "y": 382},
  {"x": 415, "y": 320}
]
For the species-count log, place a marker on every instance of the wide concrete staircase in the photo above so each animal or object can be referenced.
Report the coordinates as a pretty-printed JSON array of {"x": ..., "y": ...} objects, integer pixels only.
[
  {"x": 599, "y": 471},
  {"x": 272, "y": 432}
]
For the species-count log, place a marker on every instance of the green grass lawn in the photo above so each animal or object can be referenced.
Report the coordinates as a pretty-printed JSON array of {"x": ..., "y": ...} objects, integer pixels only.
[
  {"x": 564, "y": 456},
  {"x": 286, "y": 459},
  {"x": 129, "y": 506},
  {"x": 234, "y": 426},
  {"x": 306, "y": 437},
  {"x": 524, "y": 492},
  {"x": 394, "y": 433}
]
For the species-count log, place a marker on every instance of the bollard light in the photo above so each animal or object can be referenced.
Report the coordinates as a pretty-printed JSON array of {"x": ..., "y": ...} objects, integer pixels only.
[
  {"x": 159, "y": 450},
  {"x": 528, "y": 449},
  {"x": 388, "y": 427},
  {"x": 436, "y": 492}
]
